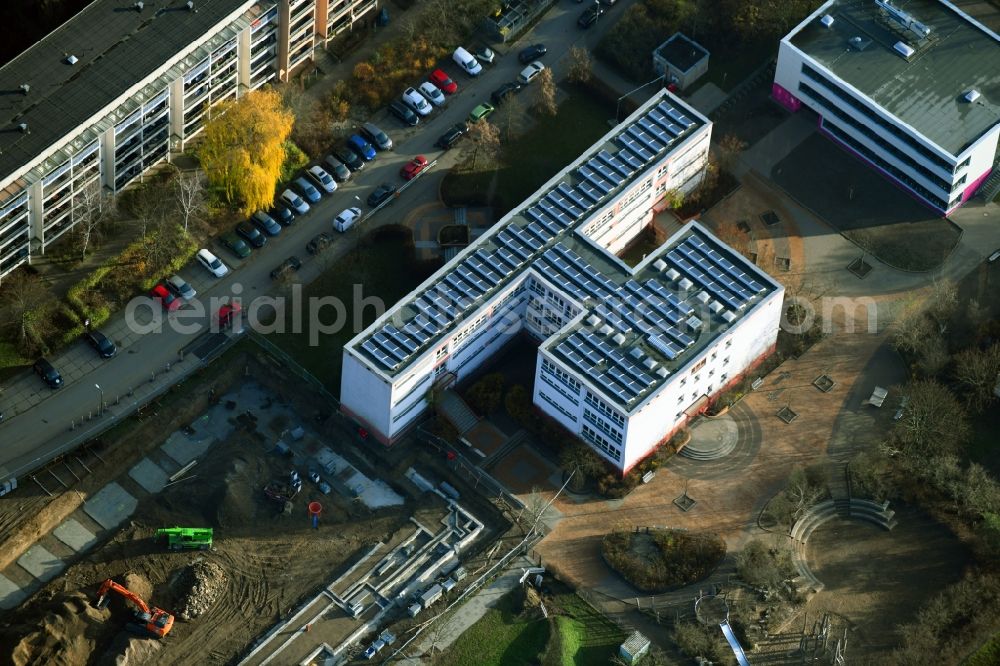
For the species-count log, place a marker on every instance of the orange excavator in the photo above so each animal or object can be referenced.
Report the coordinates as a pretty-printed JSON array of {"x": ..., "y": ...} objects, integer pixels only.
[{"x": 149, "y": 622}]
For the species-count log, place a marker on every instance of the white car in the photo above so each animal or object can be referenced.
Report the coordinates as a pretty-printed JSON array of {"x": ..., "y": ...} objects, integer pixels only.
[
  {"x": 416, "y": 101},
  {"x": 211, "y": 263},
  {"x": 346, "y": 219},
  {"x": 323, "y": 179},
  {"x": 529, "y": 73},
  {"x": 295, "y": 202},
  {"x": 431, "y": 92}
]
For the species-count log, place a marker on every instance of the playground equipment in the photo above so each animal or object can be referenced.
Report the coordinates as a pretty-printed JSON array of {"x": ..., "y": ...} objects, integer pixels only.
[
  {"x": 149, "y": 622},
  {"x": 187, "y": 538},
  {"x": 713, "y": 609}
]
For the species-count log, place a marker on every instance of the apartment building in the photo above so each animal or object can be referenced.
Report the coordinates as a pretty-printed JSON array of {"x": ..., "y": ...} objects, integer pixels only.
[
  {"x": 627, "y": 354},
  {"x": 121, "y": 87},
  {"x": 912, "y": 88}
]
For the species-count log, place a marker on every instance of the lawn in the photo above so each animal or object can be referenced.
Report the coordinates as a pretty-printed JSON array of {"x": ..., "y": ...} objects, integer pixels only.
[
  {"x": 383, "y": 266},
  {"x": 532, "y": 158}
]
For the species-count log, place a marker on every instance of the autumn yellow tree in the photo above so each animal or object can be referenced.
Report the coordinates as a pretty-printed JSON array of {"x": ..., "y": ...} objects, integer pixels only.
[{"x": 244, "y": 147}]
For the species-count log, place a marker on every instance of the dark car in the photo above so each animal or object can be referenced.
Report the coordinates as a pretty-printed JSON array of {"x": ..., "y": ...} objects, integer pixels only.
[
  {"x": 337, "y": 169},
  {"x": 533, "y": 52},
  {"x": 377, "y": 136},
  {"x": 451, "y": 137},
  {"x": 350, "y": 158},
  {"x": 48, "y": 373},
  {"x": 236, "y": 245},
  {"x": 287, "y": 266},
  {"x": 319, "y": 243},
  {"x": 251, "y": 234},
  {"x": 265, "y": 223},
  {"x": 404, "y": 113},
  {"x": 357, "y": 143},
  {"x": 101, "y": 344},
  {"x": 500, "y": 95},
  {"x": 381, "y": 194},
  {"x": 589, "y": 16},
  {"x": 282, "y": 215}
]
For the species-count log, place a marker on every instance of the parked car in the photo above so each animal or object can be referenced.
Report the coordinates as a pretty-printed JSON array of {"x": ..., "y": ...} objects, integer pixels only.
[
  {"x": 374, "y": 133},
  {"x": 318, "y": 243},
  {"x": 101, "y": 344},
  {"x": 337, "y": 168},
  {"x": 294, "y": 201},
  {"x": 413, "y": 167},
  {"x": 289, "y": 265},
  {"x": 236, "y": 245},
  {"x": 357, "y": 143},
  {"x": 403, "y": 113},
  {"x": 322, "y": 179},
  {"x": 467, "y": 62},
  {"x": 282, "y": 215},
  {"x": 180, "y": 287},
  {"x": 346, "y": 219},
  {"x": 589, "y": 16},
  {"x": 168, "y": 301},
  {"x": 481, "y": 112},
  {"x": 486, "y": 54},
  {"x": 252, "y": 235},
  {"x": 443, "y": 82},
  {"x": 500, "y": 95},
  {"x": 431, "y": 93},
  {"x": 416, "y": 101},
  {"x": 48, "y": 373},
  {"x": 993, "y": 257},
  {"x": 306, "y": 189},
  {"x": 533, "y": 52},
  {"x": 265, "y": 223},
  {"x": 382, "y": 193},
  {"x": 350, "y": 158},
  {"x": 451, "y": 137},
  {"x": 529, "y": 73},
  {"x": 228, "y": 313},
  {"x": 211, "y": 263}
]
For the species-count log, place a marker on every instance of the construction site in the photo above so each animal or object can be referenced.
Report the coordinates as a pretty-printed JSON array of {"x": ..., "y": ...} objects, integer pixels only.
[{"x": 238, "y": 520}]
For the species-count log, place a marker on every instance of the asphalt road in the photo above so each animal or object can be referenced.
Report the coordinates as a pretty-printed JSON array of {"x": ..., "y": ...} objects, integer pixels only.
[{"x": 38, "y": 420}]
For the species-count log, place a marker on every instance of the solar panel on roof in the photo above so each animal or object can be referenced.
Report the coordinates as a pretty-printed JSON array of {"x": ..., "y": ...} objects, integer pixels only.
[
  {"x": 540, "y": 232},
  {"x": 592, "y": 172},
  {"x": 401, "y": 339},
  {"x": 574, "y": 196},
  {"x": 586, "y": 190}
]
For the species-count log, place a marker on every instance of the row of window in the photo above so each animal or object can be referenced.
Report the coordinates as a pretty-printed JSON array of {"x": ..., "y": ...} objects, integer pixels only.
[
  {"x": 559, "y": 389},
  {"x": 604, "y": 409},
  {"x": 559, "y": 408},
  {"x": 603, "y": 425},
  {"x": 564, "y": 377},
  {"x": 601, "y": 442}
]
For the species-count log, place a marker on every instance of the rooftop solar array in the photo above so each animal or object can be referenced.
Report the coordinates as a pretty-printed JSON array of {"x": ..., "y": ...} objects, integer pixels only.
[{"x": 647, "y": 313}]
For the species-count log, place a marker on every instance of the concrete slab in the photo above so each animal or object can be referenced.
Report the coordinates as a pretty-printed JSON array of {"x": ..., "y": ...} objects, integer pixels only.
[
  {"x": 149, "y": 475},
  {"x": 110, "y": 506},
  {"x": 40, "y": 563},
  {"x": 182, "y": 449},
  {"x": 75, "y": 535},
  {"x": 11, "y": 594}
]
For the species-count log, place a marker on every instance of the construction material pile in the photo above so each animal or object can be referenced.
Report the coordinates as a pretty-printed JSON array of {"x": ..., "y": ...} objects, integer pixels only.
[{"x": 205, "y": 582}]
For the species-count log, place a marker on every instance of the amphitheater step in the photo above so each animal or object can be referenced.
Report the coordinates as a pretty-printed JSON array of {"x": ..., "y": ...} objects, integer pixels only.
[
  {"x": 451, "y": 405},
  {"x": 506, "y": 448}
]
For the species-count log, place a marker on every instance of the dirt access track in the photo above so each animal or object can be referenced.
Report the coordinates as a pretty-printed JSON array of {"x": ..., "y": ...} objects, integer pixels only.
[{"x": 269, "y": 561}]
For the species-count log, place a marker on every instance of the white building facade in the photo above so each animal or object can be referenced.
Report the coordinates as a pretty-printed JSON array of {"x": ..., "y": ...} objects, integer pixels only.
[
  {"x": 914, "y": 93},
  {"x": 606, "y": 366},
  {"x": 108, "y": 95}
]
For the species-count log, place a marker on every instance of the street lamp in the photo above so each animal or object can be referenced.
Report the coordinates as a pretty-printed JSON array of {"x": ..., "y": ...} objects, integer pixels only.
[
  {"x": 358, "y": 198},
  {"x": 597, "y": 11},
  {"x": 100, "y": 409}
]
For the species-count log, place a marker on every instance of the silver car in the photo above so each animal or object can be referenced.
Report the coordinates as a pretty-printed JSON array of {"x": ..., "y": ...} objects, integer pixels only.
[{"x": 180, "y": 287}]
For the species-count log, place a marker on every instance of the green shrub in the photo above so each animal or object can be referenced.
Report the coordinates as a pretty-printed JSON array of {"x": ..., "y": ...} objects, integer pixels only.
[
  {"x": 761, "y": 566},
  {"x": 486, "y": 395},
  {"x": 654, "y": 560},
  {"x": 697, "y": 640},
  {"x": 295, "y": 161}
]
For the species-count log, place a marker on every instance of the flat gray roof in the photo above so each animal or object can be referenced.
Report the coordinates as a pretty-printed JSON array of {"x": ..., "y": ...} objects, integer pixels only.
[
  {"x": 681, "y": 51},
  {"x": 117, "y": 47},
  {"x": 925, "y": 91}
]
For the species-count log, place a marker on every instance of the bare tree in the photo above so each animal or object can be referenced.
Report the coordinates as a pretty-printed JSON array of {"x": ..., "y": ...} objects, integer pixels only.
[
  {"x": 978, "y": 370},
  {"x": 941, "y": 303},
  {"x": 933, "y": 421},
  {"x": 92, "y": 207},
  {"x": 486, "y": 138},
  {"x": 581, "y": 67},
  {"x": 511, "y": 114},
  {"x": 24, "y": 303},
  {"x": 911, "y": 332},
  {"x": 730, "y": 147},
  {"x": 146, "y": 204},
  {"x": 932, "y": 354},
  {"x": 190, "y": 197},
  {"x": 545, "y": 93}
]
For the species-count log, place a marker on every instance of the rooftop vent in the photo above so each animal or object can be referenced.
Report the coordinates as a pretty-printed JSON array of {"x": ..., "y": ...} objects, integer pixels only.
[
  {"x": 25, "y": 88},
  {"x": 685, "y": 284},
  {"x": 72, "y": 59},
  {"x": 606, "y": 330},
  {"x": 693, "y": 322},
  {"x": 715, "y": 306},
  {"x": 662, "y": 372},
  {"x": 659, "y": 264},
  {"x": 827, "y": 21},
  {"x": 971, "y": 96},
  {"x": 650, "y": 363},
  {"x": 138, "y": 6},
  {"x": 24, "y": 128},
  {"x": 703, "y": 296},
  {"x": 618, "y": 338},
  {"x": 636, "y": 353},
  {"x": 593, "y": 320},
  {"x": 728, "y": 316},
  {"x": 903, "y": 49},
  {"x": 673, "y": 274}
]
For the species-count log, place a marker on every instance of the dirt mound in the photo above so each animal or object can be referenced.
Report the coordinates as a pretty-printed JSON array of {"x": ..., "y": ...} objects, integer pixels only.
[
  {"x": 65, "y": 635},
  {"x": 205, "y": 582},
  {"x": 128, "y": 650},
  {"x": 236, "y": 505},
  {"x": 138, "y": 585}
]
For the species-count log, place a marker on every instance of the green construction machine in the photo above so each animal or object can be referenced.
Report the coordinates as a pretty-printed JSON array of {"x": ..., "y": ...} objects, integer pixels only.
[{"x": 187, "y": 538}]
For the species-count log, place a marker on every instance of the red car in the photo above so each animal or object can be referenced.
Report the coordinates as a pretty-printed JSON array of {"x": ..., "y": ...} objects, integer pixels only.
[
  {"x": 413, "y": 167},
  {"x": 166, "y": 299},
  {"x": 227, "y": 313},
  {"x": 443, "y": 81}
]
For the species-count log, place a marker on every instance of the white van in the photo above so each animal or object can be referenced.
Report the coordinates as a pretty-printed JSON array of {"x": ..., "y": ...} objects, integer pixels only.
[{"x": 467, "y": 62}]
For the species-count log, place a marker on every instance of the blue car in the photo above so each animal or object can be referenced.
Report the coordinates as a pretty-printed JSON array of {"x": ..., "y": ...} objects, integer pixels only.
[
  {"x": 307, "y": 190},
  {"x": 361, "y": 147}
]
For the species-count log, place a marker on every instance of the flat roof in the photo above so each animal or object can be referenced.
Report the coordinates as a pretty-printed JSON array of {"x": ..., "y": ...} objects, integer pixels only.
[
  {"x": 117, "y": 47},
  {"x": 681, "y": 51},
  {"x": 649, "y": 306},
  {"x": 924, "y": 91}
]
